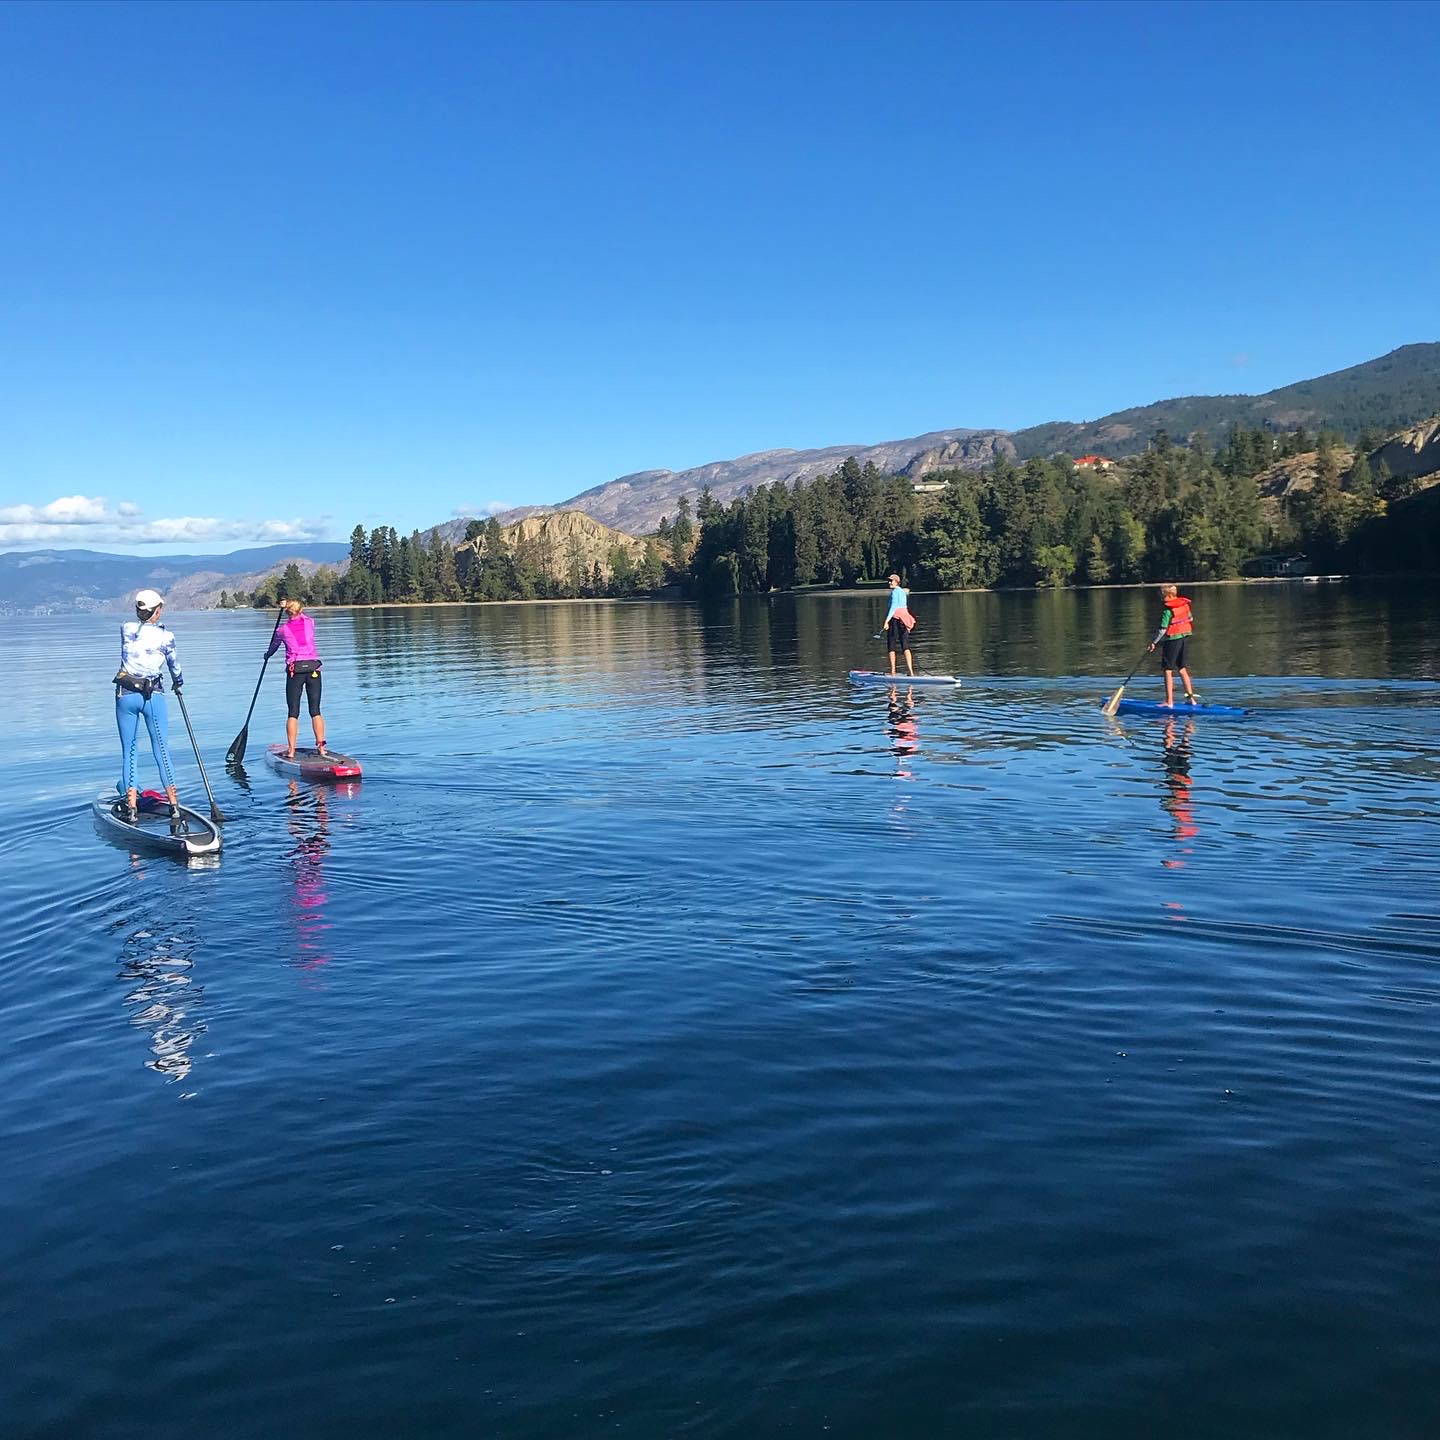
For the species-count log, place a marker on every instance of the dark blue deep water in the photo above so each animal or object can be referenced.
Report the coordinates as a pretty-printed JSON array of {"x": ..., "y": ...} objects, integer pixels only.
[{"x": 667, "y": 1038}]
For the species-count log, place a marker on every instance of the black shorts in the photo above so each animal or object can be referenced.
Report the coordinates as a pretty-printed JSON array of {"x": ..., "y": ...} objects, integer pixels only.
[
  {"x": 306, "y": 679},
  {"x": 1172, "y": 653},
  {"x": 897, "y": 637}
]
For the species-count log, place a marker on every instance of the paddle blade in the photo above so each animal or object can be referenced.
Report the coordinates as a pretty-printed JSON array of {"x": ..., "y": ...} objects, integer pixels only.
[
  {"x": 215, "y": 814},
  {"x": 1113, "y": 703},
  {"x": 236, "y": 753}
]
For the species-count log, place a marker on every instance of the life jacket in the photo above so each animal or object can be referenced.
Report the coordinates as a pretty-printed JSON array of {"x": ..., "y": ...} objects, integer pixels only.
[{"x": 1179, "y": 608}]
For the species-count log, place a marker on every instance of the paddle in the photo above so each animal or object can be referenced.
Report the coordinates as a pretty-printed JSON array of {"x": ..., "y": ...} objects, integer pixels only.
[
  {"x": 236, "y": 753},
  {"x": 215, "y": 814},
  {"x": 1113, "y": 703}
]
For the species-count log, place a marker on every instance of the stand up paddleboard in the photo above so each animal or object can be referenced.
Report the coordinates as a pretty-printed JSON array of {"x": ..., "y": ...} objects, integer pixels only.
[
  {"x": 151, "y": 830},
  {"x": 880, "y": 677},
  {"x": 1182, "y": 708},
  {"x": 310, "y": 764}
]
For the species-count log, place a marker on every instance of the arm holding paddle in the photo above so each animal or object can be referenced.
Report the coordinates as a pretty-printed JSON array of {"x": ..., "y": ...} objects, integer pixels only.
[{"x": 236, "y": 753}]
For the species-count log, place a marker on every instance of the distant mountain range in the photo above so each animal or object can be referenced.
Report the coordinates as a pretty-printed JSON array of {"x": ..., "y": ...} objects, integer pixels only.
[
  {"x": 1383, "y": 395},
  {"x": 64, "y": 580}
]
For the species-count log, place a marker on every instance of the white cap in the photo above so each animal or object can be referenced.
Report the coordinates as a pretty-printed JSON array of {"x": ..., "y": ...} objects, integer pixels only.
[{"x": 148, "y": 599}]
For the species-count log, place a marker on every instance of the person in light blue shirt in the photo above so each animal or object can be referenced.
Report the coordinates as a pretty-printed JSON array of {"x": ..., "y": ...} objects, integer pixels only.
[
  {"x": 898, "y": 624},
  {"x": 147, "y": 651}
]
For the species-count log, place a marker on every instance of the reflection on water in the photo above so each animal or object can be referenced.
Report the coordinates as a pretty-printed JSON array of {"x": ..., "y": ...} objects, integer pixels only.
[
  {"x": 676, "y": 1071},
  {"x": 904, "y": 731},
  {"x": 307, "y": 816},
  {"x": 1179, "y": 736},
  {"x": 157, "y": 966}
]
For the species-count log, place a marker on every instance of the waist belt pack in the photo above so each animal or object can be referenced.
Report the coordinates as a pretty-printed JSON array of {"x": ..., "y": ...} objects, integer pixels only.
[
  {"x": 303, "y": 668},
  {"x": 139, "y": 684}
]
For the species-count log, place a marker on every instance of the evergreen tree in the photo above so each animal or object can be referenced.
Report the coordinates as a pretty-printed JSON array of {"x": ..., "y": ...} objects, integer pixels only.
[
  {"x": 1097, "y": 563},
  {"x": 622, "y": 570},
  {"x": 805, "y": 547},
  {"x": 953, "y": 548},
  {"x": 1361, "y": 480},
  {"x": 446, "y": 581},
  {"x": 652, "y": 567},
  {"x": 682, "y": 532},
  {"x": 754, "y": 543},
  {"x": 292, "y": 583}
]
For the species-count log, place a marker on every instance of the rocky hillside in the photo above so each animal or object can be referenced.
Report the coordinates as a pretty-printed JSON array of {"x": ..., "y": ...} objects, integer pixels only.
[
  {"x": 1296, "y": 473},
  {"x": 1384, "y": 395},
  {"x": 1414, "y": 451},
  {"x": 636, "y": 503},
  {"x": 554, "y": 541}
]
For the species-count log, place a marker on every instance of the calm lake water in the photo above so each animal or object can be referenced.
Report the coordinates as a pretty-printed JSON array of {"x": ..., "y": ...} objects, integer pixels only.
[{"x": 667, "y": 1038}]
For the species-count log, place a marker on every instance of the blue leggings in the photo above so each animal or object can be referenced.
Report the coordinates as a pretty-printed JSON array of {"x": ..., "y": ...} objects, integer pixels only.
[{"x": 130, "y": 705}]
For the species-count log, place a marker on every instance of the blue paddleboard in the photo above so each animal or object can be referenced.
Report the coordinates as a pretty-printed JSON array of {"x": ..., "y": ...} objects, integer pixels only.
[
  {"x": 881, "y": 677},
  {"x": 1154, "y": 707}
]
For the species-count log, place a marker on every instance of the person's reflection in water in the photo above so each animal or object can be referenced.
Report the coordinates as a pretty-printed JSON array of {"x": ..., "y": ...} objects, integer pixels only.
[
  {"x": 904, "y": 731},
  {"x": 1178, "y": 802},
  {"x": 309, "y": 821},
  {"x": 157, "y": 966}
]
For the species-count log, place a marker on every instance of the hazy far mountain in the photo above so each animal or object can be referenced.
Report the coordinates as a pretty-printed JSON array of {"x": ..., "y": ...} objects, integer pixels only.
[{"x": 41, "y": 580}]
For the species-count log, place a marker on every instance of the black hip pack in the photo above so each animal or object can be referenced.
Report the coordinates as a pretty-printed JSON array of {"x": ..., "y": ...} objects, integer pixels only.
[
  {"x": 303, "y": 669},
  {"x": 136, "y": 684}
]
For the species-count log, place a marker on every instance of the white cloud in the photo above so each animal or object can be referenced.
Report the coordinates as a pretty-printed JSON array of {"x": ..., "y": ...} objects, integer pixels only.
[
  {"x": 68, "y": 510},
  {"x": 90, "y": 520},
  {"x": 485, "y": 507}
]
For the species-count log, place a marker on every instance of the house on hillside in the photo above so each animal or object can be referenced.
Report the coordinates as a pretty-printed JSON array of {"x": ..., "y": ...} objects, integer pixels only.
[
  {"x": 1094, "y": 462},
  {"x": 927, "y": 487},
  {"x": 1278, "y": 567}
]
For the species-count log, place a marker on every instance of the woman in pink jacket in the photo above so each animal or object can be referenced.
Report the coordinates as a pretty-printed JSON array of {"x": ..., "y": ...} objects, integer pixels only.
[{"x": 302, "y": 672}]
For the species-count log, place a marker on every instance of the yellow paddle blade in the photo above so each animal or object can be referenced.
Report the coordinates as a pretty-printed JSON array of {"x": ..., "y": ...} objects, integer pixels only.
[{"x": 1113, "y": 703}]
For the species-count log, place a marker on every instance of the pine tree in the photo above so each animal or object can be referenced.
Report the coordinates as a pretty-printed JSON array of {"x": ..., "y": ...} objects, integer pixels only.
[
  {"x": 447, "y": 582},
  {"x": 1361, "y": 480},
  {"x": 292, "y": 583},
  {"x": 1097, "y": 564},
  {"x": 652, "y": 567},
  {"x": 682, "y": 532}
]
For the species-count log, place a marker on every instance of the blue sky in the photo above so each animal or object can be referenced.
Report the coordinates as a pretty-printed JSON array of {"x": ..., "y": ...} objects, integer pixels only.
[{"x": 273, "y": 269}]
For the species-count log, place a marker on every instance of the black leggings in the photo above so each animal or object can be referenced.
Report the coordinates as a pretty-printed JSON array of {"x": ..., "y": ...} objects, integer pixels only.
[{"x": 310, "y": 684}]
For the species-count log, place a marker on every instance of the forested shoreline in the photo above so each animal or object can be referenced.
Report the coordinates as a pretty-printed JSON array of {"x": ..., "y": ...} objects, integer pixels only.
[{"x": 1179, "y": 510}]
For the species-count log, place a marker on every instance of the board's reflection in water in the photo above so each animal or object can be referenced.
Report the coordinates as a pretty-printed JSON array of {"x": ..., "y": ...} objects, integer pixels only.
[
  {"x": 308, "y": 818},
  {"x": 904, "y": 730}
]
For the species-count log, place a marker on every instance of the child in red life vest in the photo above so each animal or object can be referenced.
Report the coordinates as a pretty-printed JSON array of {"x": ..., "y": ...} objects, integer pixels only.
[{"x": 1175, "y": 632}]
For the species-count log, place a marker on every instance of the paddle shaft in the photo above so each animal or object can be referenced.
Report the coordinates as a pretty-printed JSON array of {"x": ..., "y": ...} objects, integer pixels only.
[
  {"x": 215, "y": 814},
  {"x": 1135, "y": 667},
  {"x": 1114, "y": 700},
  {"x": 236, "y": 753}
]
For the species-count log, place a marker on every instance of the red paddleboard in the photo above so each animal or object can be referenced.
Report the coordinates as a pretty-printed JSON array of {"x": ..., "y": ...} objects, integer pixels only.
[{"x": 310, "y": 764}]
